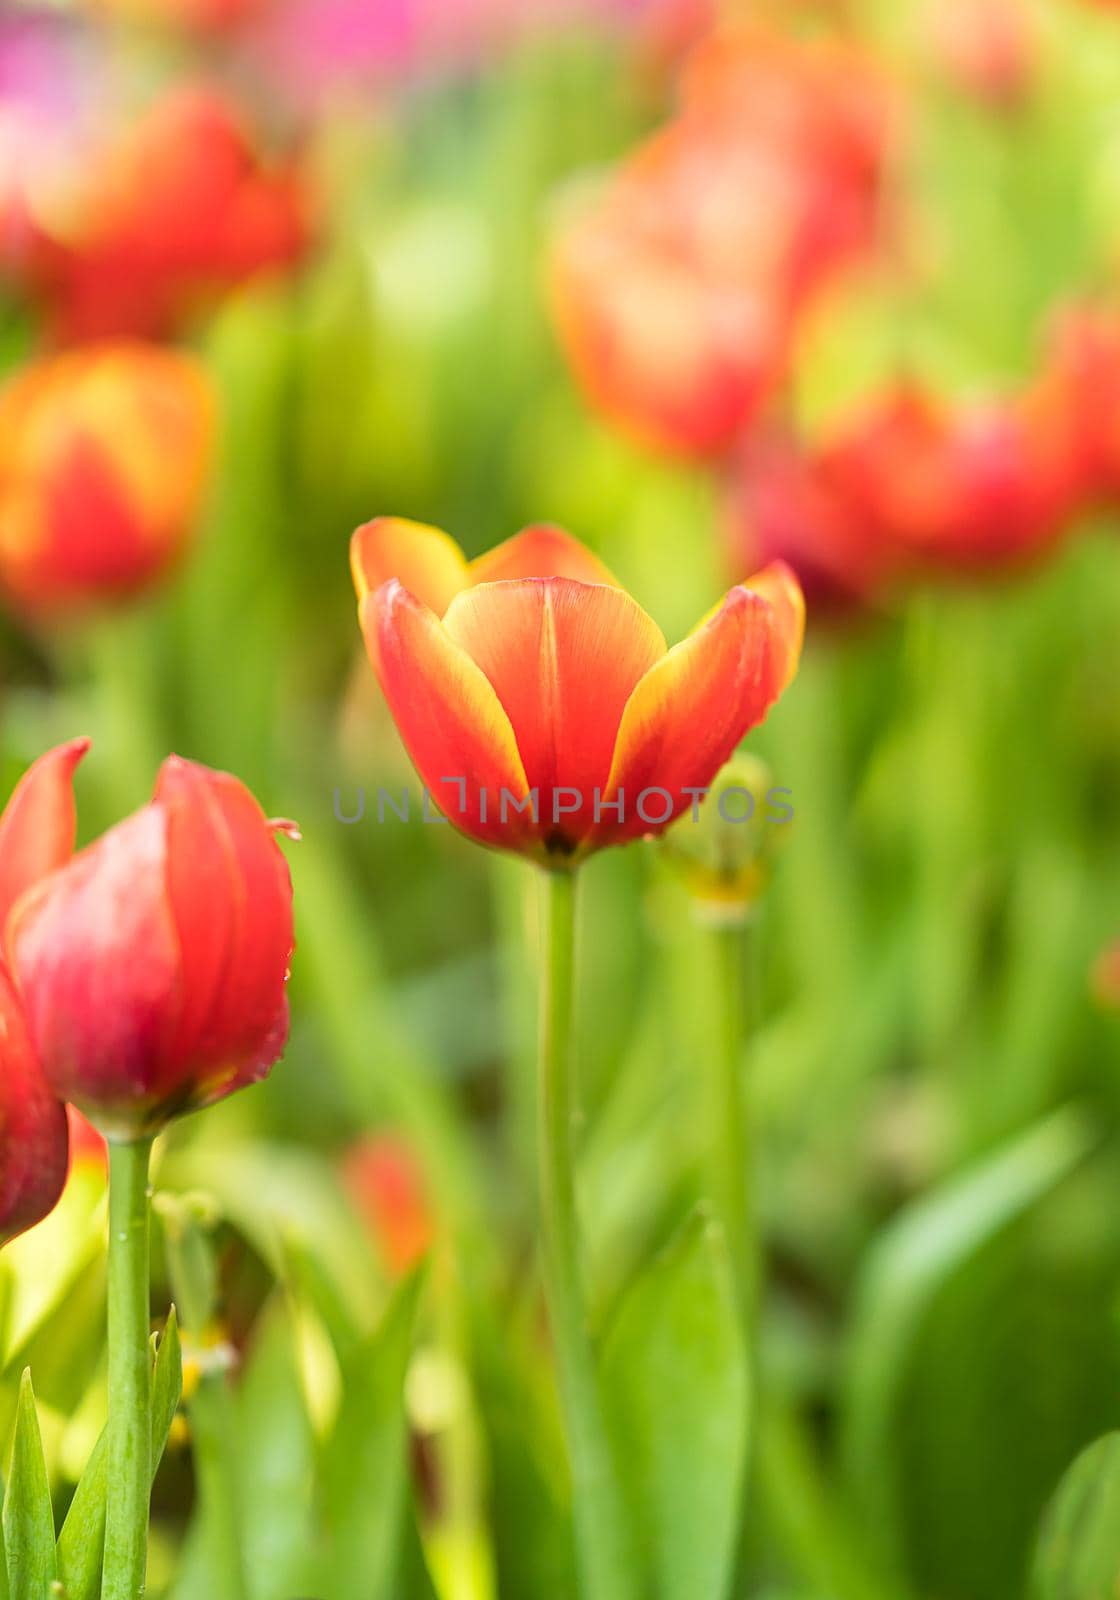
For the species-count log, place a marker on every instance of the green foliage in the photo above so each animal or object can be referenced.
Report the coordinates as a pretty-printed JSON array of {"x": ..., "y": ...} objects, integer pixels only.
[
  {"x": 28, "y": 1517},
  {"x": 1078, "y": 1553},
  {"x": 677, "y": 1393}
]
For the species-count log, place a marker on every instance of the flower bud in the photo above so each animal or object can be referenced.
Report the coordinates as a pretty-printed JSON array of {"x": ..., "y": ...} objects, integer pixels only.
[
  {"x": 723, "y": 849},
  {"x": 103, "y": 459},
  {"x": 386, "y": 1183},
  {"x": 153, "y": 965}
]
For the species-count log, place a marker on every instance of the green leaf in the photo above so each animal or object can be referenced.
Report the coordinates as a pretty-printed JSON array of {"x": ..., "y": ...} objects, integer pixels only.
[
  {"x": 1078, "y": 1554},
  {"x": 365, "y": 1463},
  {"x": 82, "y": 1540},
  {"x": 28, "y": 1517},
  {"x": 277, "y": 1454},
  {"x": 676, "y": 1389},
  {"x": 915, "y": 1261}
]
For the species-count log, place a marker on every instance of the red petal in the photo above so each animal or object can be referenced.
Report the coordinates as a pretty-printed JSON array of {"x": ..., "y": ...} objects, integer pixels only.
[
  {"x": 95, "y": 953},
  {"x": 34, "y": 1142},
  {"x": 449, "y": 717},
  {"x": 39, "y": 822},
  {"x": 230, "y": 895},
  {"x": 687, "y": 715},
  {"x": 563, "y": 658}
]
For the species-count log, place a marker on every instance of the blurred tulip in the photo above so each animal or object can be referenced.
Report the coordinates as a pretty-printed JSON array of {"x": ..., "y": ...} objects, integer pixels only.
[
  {"x": 153, "y": 965},
  {"x": 103, "y": 459},
  {"x": 1104, "y": 980},
  {"x": 969, "y": 489},
  {"x": 36, "y": 836},
  {"x": 386, "y": 1184},
  {"x": 781, "y": 506},
  {"x": 1078, "y": 391},
  {"x": 179, "y": 209},
  {"x": 539, "y": 700},
  {"x": 674, "y": 291},
  {"x": 87, "y": 1147},
  {"x": 988, "y": 48},
  {"x": 192, "y": 16}
]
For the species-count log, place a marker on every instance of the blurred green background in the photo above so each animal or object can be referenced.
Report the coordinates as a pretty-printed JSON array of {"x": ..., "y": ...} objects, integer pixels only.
[{"x": 936, "y": 1089}]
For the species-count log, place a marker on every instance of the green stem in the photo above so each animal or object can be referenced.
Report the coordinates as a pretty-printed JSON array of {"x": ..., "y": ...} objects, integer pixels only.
[
  {"x": 729, "y": 1137},
  {"x": 130, "y": 1429},
  {"x": 606, "y": 1571}
]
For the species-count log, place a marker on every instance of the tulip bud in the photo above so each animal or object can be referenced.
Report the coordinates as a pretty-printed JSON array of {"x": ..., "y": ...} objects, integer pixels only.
[
  {"x": 723, "y": 849},
  {"x": 153, "y": 965},
  {"x": 103, "y": 459}
]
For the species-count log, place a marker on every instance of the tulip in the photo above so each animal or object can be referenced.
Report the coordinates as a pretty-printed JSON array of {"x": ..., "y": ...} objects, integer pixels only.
[
  {"x": 1078, "y": 393},
  {"x": 986, "y": 47},
  {"x": 180, "y": 209},
  {"x": 386, "y": 1184},
  {"x": 539, "y": 702},
  {"x": 103, "y": 460},
  {"x": 725, "y": 856},
  {"x": 536, "y": 688},
  {"x": 192, "y": 16},
  {"x": 676, "y": 287},
  {"x": 780, "y": 505},
  {"x": 153, "y": 965},
  {"x": 973, "y": 489},
  {"x": 36, "y": 836}
]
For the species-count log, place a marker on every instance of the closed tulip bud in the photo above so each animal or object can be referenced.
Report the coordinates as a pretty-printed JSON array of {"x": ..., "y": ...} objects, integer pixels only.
[
  {"x": 724, "y": 848},
  {"x": 386, "y": 1184},
  {"x": 153, "y": 966},
  {"x": 103, "y": 460},
  {"x": 36, "y": 836}
]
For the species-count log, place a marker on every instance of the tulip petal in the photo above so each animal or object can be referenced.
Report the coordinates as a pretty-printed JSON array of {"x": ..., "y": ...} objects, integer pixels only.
[
  {"x": 34, "y": 1139},
  {"x": 95, "y": 953},
  {"x": 541, "y": 551},
  {"x": 425, "y": 560},
  {"x": 39, "y": 823},
  {"x": 690, "y": 711},
  {"x": 230, "y": 895},
  {"x": 563, "y": 658},
  {"x": 452, "y": 722}
]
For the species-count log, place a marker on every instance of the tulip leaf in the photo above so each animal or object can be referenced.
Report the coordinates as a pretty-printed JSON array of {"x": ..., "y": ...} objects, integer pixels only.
[
  {"x": 277, "y": 1457},
  {"x": 365, "y": 1462},
  {"x": 82, "y": 1540},
  {"x": 28, "y": 1517},
  {"x": 922, "y": 1265},
  {"x": 1078, "y": 1553},
  {"x": 677, "y": 1394}
]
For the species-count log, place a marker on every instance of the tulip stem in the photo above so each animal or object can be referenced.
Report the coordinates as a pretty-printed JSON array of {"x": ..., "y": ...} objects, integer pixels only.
[
  {"x": 605, "y": 1570},
  {"x": 730, "y": 1136},
  {"x": 130, "y": 1433}
]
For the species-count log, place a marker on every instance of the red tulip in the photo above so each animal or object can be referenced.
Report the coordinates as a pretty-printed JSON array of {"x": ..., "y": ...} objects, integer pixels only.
[
  {"x": 780, "y": 505},
  {"x": 103, "y": 459},
  {"x": 978, "y": 487},
  {"x": 539, "y": 702},
  {"x": 153, "y": 965},
  {"x": 387, "y": 1186},
  {"x": 36, "y": 836},
  {"x": 182, "y": 208},
  {"x": 1078, "y": 392},
  {"x": 193, "y": 16},
  {"x": 675, "y": 290}
]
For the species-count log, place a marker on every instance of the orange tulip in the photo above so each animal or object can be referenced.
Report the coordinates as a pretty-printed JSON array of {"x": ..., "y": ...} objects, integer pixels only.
[
  {"x": 538, "y": 701},
  {"x": 1078, "y": 393},
  {"x": 103, "y": 459},
  {"x": 36, "y": 837},
  {"x": 153, "y": 965},
  {"x": 180, "y": 209}
]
